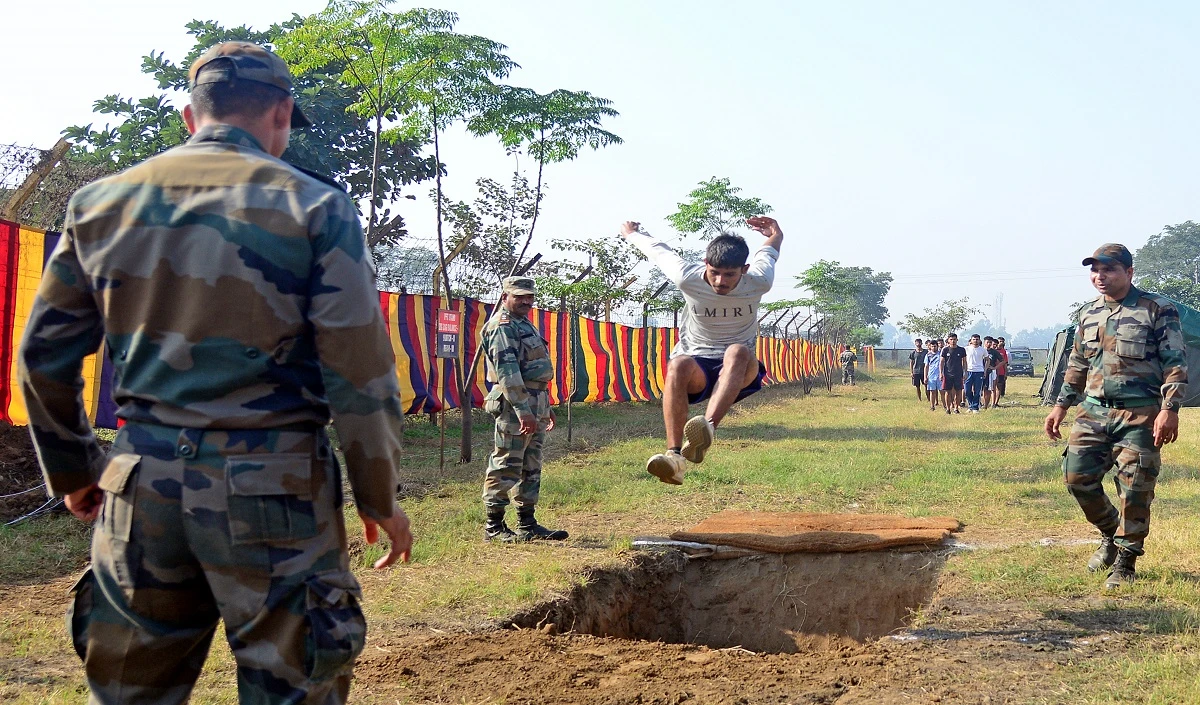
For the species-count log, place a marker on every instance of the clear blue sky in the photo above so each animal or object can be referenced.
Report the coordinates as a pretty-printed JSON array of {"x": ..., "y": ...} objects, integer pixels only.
[{"x": 998, "y": 142}]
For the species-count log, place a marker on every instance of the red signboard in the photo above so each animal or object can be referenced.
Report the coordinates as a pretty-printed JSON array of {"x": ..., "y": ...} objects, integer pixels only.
[{"x": 448, "y": 325}]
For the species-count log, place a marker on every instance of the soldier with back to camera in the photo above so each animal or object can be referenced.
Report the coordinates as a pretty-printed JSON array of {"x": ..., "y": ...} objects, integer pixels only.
[{"x": 236, "y": 299}]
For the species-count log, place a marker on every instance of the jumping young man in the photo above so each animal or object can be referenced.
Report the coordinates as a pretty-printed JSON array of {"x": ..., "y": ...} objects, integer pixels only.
[{"x": 714, "y": 358}]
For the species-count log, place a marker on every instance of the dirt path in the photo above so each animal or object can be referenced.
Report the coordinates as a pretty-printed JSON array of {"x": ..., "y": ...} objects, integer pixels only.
[{"x": 969, "y": 653}]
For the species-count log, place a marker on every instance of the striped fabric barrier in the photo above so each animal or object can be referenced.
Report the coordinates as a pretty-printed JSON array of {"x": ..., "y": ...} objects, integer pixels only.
[
  {"x": 594, "y": 361},
  {"x": 23, "y": 253}
]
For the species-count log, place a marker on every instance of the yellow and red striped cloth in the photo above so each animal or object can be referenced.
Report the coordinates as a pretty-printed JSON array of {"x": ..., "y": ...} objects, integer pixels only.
[{"x": 593, "y": 360}]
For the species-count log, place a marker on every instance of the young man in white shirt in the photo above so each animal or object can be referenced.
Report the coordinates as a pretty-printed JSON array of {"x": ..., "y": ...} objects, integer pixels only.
[
  {"x": 976, "y": 370},
  {"x": 714, "y": 358}
]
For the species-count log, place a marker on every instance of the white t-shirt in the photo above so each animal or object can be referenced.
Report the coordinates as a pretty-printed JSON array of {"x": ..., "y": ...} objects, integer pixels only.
[
  {"x": 975, "y": 358},
  {"x": 711, "y": 322}
]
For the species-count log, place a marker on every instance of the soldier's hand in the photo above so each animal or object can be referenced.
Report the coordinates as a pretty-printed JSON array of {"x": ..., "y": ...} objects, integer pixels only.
[
  {"x": 1166, "y": 427},
  {"x": 629, "y": 227},
  {"x": 85, "y": 503},
  {"x": 397, "y": 528},
  {"x": 529, "y": 423},
  {"x": 553, "y": 421},
  {"x": 1053, "y": 420}
]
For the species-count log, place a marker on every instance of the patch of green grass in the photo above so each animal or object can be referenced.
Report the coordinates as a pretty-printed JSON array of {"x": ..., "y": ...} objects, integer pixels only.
[
  {"x": 868, "y": 449},
  {"x": 43, "y": 548}
]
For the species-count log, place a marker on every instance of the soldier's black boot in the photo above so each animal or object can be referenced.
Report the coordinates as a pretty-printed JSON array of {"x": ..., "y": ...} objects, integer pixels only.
[
  {"x": 529, "y": 530},
  {"x": 1104, "y": 556},
  {"x": 495, "y": 529},
  {"x": 1122, "y": 573}
]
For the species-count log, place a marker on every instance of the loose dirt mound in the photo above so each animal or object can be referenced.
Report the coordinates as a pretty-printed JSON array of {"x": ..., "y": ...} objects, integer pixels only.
[
  {"x": 791, "y": 532},
  {"x": 19, "y": 471}
]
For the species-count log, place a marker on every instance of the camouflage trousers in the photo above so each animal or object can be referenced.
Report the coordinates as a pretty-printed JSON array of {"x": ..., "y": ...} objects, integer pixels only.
[
  {"x": 847, "y": 374},
  {"x": 200, "y": 526},
  {"x": 1101, "y": 438},
  {"x": 516, "y": 461}
]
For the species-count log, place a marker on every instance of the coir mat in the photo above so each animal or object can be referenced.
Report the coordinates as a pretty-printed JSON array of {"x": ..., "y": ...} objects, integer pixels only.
[{"x": 797, "y": 532}]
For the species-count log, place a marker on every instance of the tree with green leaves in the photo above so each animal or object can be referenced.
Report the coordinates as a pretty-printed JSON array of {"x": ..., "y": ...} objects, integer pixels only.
[
  {"x": 611, "y": 261},
  {"x": 715, "y": 207},
  {"x": 381, "y": 55},
  {"x": 340, "y": 143},
  {"x": 1169, "y": 264},
  {"x": 848, "y": 299},
  {"x": 485, "y": 233},
  {"x": 551, "y": 128},
  {"x": 947, "y": 317}
]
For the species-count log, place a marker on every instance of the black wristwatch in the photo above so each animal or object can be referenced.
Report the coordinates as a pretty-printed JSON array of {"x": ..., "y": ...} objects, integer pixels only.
[{"x": 1170, "y": 405}]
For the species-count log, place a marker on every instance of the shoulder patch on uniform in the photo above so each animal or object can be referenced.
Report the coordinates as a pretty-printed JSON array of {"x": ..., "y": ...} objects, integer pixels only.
[
  {"x": 329, "y": 181},
  {"x": 504, "y": 318}
]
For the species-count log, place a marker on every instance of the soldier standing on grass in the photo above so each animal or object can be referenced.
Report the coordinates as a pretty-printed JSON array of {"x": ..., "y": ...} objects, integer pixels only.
[
  {"x": 518, "y": 361},
  {"x": 236, "y": 298},
  {"x": 1128, "y": 369},
  {"x": 847, "y": 358}
]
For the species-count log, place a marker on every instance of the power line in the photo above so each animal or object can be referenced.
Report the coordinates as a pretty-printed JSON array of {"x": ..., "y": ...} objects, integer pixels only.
[{"x": 978, "y": 280}]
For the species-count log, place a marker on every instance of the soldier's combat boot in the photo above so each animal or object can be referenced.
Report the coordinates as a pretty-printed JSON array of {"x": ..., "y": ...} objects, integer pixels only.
[
  {"x": 1104, "y": 556},
  {"x": 528, "y": 529},
  {"x": 1122, "y": 573},
  {"x": 496, "y": 530}
]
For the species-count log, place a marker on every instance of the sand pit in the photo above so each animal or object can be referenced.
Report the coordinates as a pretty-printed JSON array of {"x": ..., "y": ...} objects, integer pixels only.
[{"x": 765, "y": 602}]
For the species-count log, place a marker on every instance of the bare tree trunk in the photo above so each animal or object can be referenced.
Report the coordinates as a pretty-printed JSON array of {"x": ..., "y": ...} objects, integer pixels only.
[
  {"x": 374, "y": 181},
  {"x": 537, "y": 202}
]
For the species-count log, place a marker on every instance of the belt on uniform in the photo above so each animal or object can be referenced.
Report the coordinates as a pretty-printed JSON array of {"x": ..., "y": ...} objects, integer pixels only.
[
  {"x": 1124, "y": 403},
  {"x": 537, "y": 386}
]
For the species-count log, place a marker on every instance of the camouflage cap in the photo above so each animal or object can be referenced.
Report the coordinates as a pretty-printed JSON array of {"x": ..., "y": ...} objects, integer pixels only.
[
  {"x": 1112, "y": 253},
  {"x": 248, "y": 62},
  {"x": 520, "y": 286}
]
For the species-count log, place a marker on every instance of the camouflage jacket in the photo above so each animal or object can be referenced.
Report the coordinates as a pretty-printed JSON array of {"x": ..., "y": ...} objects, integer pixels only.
[
  {"x": 1133, "y": 350},
  {"x": 848, "y": 358},
  {"x": 516, "y": 357},
  {"x": 232, "y": 292}
]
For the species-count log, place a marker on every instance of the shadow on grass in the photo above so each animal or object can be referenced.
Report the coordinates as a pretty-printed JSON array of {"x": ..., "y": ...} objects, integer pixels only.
[{"x": 1130, "y": 620}]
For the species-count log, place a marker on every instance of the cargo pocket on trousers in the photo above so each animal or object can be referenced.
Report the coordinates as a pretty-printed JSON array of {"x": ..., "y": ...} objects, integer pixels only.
[
  {"x": 337, "y": 629},
  {"x": 116, "y": 514},
  {"x": 79, "y": 611},
  {"x": 270, "y": 497}
]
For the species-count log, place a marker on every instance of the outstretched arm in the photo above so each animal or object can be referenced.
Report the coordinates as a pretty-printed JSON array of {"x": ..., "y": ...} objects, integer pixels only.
[{"x": 657, "y": 252}]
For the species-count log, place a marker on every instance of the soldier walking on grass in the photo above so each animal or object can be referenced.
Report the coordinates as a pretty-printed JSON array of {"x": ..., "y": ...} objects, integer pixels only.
[
  {"x": 518, "y": 361},
  {"x": 1128, "y": 369},
  {"x": 236, "y": 299}
]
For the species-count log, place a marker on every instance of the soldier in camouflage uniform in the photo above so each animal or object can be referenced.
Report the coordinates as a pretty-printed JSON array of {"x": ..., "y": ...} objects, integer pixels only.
[
  {"x": 847, "y": 358},
  {"x": 1128, "y": 369},
  {"x": 236, "y": 299},
  {"x": 518, "y": 361}
]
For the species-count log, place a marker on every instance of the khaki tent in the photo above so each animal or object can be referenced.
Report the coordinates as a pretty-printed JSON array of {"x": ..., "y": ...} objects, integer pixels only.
[{"x": 1056, "y": 362}]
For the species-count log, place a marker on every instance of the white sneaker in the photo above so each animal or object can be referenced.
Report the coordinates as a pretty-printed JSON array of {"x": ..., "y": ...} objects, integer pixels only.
[
  {"x": 667, "y": 467},
  {"x": 697, "y": 438}
]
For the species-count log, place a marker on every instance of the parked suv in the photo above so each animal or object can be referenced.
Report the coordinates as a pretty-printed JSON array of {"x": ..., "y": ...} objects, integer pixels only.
[{"x": 1020, "y": 361}]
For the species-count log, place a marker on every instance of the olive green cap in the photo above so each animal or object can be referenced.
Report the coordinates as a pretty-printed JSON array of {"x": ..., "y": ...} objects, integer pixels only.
[
  {"x": 246, "y": 62},
  {"x": 520, "y": 286},
  {"x": 1112, "y": 253}
]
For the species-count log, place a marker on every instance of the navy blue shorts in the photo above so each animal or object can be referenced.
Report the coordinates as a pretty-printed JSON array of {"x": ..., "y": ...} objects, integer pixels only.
[{"x": 712, "y": 369}]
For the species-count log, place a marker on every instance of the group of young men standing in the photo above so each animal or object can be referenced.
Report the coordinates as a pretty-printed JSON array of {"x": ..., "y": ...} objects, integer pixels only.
[{"x": 947, "y": 373}]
